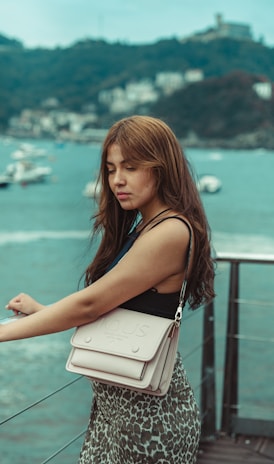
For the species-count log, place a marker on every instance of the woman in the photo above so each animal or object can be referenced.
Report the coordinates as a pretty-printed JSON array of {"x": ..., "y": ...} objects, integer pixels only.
[{"x": 140, "y": 265}]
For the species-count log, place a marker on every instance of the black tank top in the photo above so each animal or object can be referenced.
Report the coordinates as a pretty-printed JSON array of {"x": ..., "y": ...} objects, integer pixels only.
[{"x": 150, "y": 301}]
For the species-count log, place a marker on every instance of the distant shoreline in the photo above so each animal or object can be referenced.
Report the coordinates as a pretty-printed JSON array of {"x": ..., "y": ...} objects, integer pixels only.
[{"x": 260, "y": 139}]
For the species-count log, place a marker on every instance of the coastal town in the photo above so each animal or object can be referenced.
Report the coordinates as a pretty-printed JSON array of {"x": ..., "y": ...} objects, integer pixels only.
[
  {"x": 53, "y": 121},
  {"x": 55, "y": 118}
]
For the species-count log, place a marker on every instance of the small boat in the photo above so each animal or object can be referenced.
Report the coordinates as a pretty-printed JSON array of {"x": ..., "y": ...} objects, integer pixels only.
[
  {"x": 28, "y": 151},
  {"x": 209, "y": 184},
  {"x": 25, "y": 172},
  {"x": 5, "y": 181},
  {"x": 91, "y": 190}
]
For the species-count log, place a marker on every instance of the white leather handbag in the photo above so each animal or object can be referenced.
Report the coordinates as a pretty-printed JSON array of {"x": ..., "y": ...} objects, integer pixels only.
[{"x": 127, "y": 349}]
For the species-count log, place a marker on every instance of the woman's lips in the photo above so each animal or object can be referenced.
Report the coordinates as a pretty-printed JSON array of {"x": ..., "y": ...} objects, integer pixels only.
[{"x": 122, "y": 196}]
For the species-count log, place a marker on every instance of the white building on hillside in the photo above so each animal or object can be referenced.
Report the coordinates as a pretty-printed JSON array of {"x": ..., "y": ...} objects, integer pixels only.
[
  {"x": 169, "y": 82},
  {"x": 263, "y": 90}
]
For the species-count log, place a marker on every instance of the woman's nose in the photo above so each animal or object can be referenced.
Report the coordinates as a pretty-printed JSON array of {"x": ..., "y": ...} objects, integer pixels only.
[{"x": 119, "y": 178}]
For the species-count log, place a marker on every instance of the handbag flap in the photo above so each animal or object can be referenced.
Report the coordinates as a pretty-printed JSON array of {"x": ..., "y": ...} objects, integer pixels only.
[{"x": 124, "y": 332}]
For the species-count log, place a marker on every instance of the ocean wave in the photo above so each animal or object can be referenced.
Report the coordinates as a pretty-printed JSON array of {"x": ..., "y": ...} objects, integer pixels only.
[
  {"x": 242, "y": 243},
  {"x": 222, "y": 241},
  {"x": 206, "y": 156},
  {"x": 31, "y": 236}
]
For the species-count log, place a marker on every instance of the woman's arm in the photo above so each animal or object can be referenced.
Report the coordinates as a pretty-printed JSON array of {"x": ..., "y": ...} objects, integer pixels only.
[{"x": 156, "y": 257}]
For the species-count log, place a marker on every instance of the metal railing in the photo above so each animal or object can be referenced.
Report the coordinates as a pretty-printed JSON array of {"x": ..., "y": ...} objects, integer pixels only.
[{"x": 230, "y": 421}]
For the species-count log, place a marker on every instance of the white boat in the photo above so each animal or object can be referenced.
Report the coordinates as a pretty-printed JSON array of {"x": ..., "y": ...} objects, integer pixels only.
[
  {"x": 209, "y": 184},
  {"x": 28, "y": 151},
  {"x": 91, "y": 190},
  {"x": 4, "y": 180},
  {"x": 25, "y": 172}
]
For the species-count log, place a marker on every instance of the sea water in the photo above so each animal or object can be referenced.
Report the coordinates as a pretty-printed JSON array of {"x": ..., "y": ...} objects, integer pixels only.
[{"x": 44, "y": 249}]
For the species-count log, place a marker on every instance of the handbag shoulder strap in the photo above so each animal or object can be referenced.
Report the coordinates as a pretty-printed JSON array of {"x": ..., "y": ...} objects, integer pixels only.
[{"x": 182, "y": 301}]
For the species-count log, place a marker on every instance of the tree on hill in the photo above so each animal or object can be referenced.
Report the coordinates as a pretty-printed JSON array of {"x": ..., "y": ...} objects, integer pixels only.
[
  {"x": 217, "y": 107},
  {"x": 11, "y": 43}
]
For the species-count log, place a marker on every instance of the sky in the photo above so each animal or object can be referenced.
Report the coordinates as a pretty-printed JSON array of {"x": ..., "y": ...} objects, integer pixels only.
[{"x": 52, "y": 23}]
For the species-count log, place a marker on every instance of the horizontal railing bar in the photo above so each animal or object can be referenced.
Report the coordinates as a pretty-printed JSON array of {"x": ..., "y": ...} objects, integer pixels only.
[
  {"x": 60, "y": 450},
  {"x": 196, "y": 348},
  {"x": 245, "y": 257},
  {"x": 40, "y": 401},
  {"x": 254, "y": 338},
  {"x": 203, "y": 380},
  {"x": 250, "y": 337},
  {"x": 253, "y": 302},
  {"x": 266, "y": 406},
  {"x": 242, "y": 405}
]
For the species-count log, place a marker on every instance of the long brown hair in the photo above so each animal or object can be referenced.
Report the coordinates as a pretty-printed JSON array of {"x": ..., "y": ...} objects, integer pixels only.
[{"x": 149, "y": 142}]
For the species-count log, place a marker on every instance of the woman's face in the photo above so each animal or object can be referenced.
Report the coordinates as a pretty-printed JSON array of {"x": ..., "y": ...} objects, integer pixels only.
[{"x": 134, "y": 187}]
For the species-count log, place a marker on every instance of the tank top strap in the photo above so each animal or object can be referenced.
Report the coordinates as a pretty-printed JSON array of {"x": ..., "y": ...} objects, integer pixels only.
[{"x": 173, "y": 217}]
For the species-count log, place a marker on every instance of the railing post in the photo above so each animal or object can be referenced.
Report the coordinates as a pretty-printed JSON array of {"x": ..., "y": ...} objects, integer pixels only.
[
  {"x": 208, "y": 396},
  {"x": 230, "y": 382}
]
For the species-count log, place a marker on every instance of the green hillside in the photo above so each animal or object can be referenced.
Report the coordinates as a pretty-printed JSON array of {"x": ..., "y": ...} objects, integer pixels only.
[{"x": 222, "y": 105}]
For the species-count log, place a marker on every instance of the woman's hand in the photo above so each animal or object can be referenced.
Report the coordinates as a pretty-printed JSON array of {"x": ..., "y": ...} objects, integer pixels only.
[{"x": 25, "y": 304}]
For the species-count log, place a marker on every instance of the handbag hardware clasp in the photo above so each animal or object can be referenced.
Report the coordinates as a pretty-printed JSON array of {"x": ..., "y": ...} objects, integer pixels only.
[{"x": 178, "y": 316}]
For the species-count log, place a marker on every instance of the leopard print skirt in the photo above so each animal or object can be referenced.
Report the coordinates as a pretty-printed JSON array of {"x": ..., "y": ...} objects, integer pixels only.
[{"x": 127, "y": 427}]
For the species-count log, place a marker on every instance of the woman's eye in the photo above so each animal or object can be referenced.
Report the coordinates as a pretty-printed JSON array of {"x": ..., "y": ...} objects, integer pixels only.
[{"x": 130, "y": 168}]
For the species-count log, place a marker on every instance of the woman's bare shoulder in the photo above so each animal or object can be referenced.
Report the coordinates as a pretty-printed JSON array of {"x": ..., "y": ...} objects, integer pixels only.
[
  {"x": 157, "y": 255},
  {"x": 173, "y": 227}
]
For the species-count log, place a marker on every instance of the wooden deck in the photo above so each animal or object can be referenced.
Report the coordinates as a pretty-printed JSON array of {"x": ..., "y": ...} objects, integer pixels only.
[{"x": 240, "y": 450}]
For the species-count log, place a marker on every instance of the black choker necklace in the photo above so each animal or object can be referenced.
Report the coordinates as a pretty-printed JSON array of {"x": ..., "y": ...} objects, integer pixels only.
[{"x": 152, "y": 219}]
